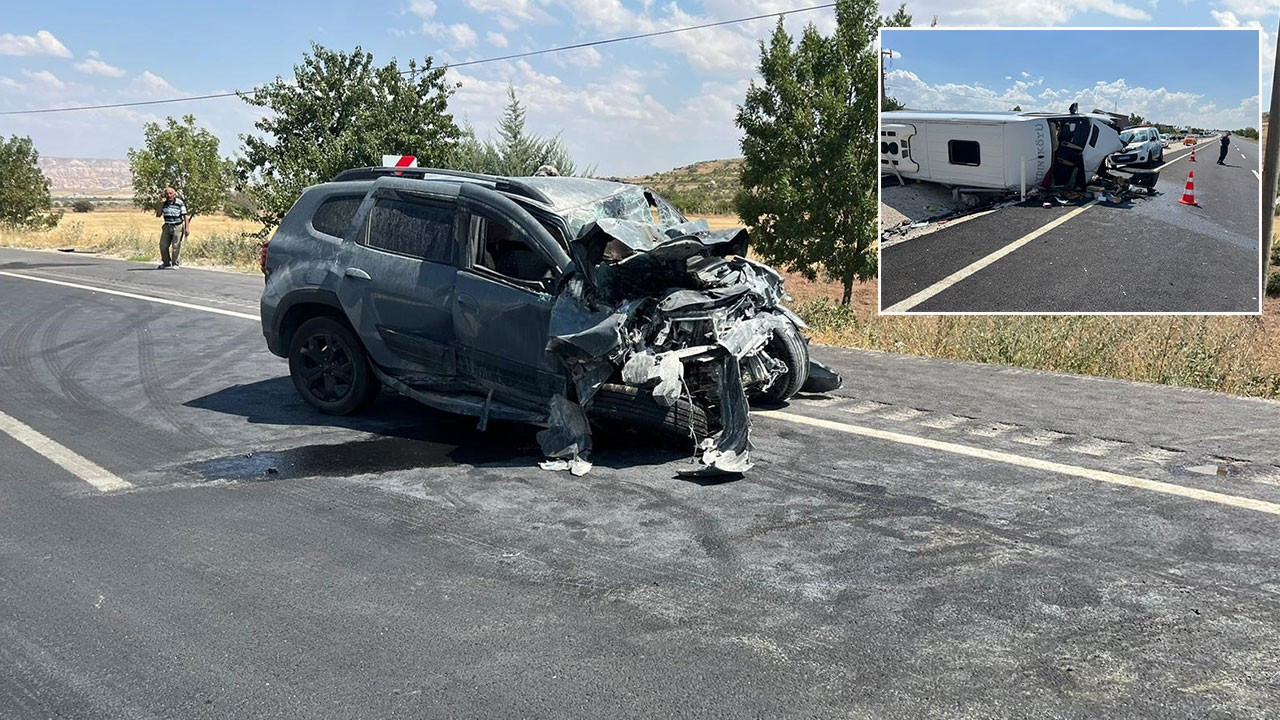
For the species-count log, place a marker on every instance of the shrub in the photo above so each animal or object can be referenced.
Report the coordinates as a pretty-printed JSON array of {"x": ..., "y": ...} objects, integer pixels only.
[
  {"x": 1273, "y": 284},
  {"x": 82, "y": 206}
]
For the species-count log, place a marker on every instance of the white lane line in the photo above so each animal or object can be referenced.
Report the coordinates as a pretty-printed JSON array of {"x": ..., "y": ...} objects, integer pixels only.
[
  {"x": 1180, "y": 157},
  {"x": 957, "y": 276},
  {"x": 1031, "y": 463},
  {"x": 65, "y": 458},
  {"x": 134, "y": 296},
  {"x": 1255, "y": 174}
]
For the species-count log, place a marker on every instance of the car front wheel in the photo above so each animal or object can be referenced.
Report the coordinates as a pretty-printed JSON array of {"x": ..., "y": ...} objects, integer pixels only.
[
  {"x": 329, "y": 367},
  {"x": 787, "y": 345}
]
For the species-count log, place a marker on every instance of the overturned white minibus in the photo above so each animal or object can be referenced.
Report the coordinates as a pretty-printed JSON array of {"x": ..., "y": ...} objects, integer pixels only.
[{"x": 996, "y": 150}]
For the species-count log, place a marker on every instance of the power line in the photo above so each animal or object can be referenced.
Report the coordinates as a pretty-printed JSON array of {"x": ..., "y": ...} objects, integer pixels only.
[{"x": 514, "y": 56}]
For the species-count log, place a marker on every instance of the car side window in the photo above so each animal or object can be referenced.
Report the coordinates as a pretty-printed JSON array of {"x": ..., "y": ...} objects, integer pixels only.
[
  {"x": 416, "y": 228},
  {"x": 334, "y": 215},
  {"x": 503, "y": 250}
]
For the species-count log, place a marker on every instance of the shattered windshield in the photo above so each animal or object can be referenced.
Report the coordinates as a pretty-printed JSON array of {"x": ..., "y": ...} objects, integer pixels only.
[
  {"x": 1128, "y": 136},
  {"x": 627, "y": 202}
]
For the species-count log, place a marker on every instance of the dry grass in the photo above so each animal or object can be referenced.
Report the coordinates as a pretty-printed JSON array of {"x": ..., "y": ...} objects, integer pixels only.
[{"x": 216, "y": 240}]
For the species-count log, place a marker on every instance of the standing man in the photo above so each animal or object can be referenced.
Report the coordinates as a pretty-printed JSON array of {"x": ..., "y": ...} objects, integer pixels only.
[
  {"x": 1222, "y": 154},
  {"x": 176, "y": 222}
]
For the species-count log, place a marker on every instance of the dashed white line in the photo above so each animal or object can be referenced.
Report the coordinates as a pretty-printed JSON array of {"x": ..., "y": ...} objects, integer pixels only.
[
  {"x": 974, "y": 267},
  {"x": 1028, "y": 462},
  {"x": 133, "y": 296},
  {"x": 1255, "y": 173},
  {"x": 64, "y": 457}
]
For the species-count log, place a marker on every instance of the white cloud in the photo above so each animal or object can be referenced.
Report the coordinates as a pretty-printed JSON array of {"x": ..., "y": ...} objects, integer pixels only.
[
  {"x": 1156, "y": 104},
  {"x": 511, "y": 14},
  {"x": 459, "y": 35},
  {"x": 44, "y": 43},
  {"x": 44, "y": 81},
  {"x": 149, "y": 84},
  {"x": 496, "y": 39},
  {"x": 94, "y": 66},
  {"x": 955, "y": 13},
  {"x": 425, "y": 9},
  {"x": 587, "y": 57}
]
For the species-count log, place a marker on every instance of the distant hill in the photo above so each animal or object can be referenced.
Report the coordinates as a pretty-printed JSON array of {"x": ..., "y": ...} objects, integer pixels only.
[
  {"x": 703, "y": 187},
  {"x": 87, "y": 177}
]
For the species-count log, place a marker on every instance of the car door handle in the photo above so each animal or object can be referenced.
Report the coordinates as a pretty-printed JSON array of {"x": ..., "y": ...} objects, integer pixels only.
[{"x": 357, "y": 273}]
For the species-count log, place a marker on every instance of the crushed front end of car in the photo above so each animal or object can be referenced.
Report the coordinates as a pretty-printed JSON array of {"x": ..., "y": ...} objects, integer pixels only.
[{"x": 686, "y": 325}]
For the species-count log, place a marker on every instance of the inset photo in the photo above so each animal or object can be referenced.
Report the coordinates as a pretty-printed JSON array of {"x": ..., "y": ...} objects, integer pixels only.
[{"x": 1070, "y": 171}]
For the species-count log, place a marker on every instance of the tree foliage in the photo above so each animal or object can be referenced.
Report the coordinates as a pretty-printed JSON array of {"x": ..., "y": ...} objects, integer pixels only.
[
  {"x": 185, "y": 157},
  {"x": 83, "y": 205},
  {"x": 24, "y": 190},
  {"x": 515, "y": 152},
  {"x": 811, "y": 163},
  {"x": 341, "y": 111}
]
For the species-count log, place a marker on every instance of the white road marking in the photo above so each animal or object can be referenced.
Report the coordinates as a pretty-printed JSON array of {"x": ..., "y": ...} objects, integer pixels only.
[
  {"x": 1180, "y": 157},
  {"x": 134, "y": 296},
  {"x": 67, "y": 459},
  {"x": 105, "y": 481},
  {"x": 1255, "y": 174},
  {"x": 957, "y": 276},
  {"x": 1031, "y": 463}
]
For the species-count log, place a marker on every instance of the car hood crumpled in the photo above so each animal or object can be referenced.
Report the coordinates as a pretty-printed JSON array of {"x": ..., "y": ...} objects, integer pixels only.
[{"x": 615, "y": 315}]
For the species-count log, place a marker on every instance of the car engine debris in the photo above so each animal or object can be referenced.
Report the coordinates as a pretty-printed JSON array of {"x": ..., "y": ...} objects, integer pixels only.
[{"x": 685, "y": 317}]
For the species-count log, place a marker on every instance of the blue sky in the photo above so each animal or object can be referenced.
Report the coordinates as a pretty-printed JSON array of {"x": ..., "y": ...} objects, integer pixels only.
[
  {"x": 1201, "y": 78},
  {"x": 628, "y": 108}
]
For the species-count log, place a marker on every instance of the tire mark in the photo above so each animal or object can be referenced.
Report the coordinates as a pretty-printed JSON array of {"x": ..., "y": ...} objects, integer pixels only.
[{"x": 157, "y": 395}]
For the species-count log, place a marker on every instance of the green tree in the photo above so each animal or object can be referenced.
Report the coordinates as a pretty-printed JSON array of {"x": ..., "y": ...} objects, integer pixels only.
[
  {"x": 1017, "y": 108},
  {"x": 24, "y": 190},
  {"x": 83, "y": 205},
  {"x": 810, "y": 157},
  {"x": 180, "y": 155},
  {"x": 516, "y": 152},
  {"x": 891, "y": 103},
  {"x": 341, "y": 111}
]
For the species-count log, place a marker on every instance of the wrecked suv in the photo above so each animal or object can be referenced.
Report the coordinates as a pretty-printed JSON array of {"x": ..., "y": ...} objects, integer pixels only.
[{"x": 558, "y": 301}]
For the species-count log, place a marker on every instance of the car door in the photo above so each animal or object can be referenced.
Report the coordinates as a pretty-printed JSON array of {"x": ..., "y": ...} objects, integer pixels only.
[
  {"x": 398, "y": 282},
  {"x": 503, "y": 298}
]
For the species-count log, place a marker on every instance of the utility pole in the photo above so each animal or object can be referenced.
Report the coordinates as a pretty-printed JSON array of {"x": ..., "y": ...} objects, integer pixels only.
[{"x": 883, "y": 54}]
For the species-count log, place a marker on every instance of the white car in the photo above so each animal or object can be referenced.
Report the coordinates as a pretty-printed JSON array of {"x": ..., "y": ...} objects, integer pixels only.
[
  {"x": 1142, "y": 146},
  {"x": 1165, "y": 139}
]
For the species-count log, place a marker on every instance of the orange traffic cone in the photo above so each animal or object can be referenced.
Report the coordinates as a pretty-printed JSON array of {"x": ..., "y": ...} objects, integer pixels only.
[
  {"x": 1193, "y": 154},
  {"x": 1189, "y": 195}
]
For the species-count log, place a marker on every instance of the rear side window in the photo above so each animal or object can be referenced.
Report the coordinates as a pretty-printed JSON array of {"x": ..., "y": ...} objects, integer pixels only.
[
  {"x": 1093, "y": 137},
  {"x": 334, "y": 215},
  {"x": 963, "y": 152},
  {"x": 417, "y": 229}
]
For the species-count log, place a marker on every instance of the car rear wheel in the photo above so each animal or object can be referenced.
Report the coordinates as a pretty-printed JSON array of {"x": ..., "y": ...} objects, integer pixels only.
[
  {"x": 787, "y": 345},
  {"x": 626, "y": 407},
  {"x": 329, "y": 367}
]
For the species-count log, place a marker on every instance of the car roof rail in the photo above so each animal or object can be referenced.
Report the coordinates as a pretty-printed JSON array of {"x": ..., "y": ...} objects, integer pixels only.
[{"x": 500, "y": 183}]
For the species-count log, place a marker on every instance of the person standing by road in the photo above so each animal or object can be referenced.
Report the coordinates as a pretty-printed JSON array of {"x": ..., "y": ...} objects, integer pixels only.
[
  {"x": 1222, "y": 153},
  {"x": 176, "y": 223}
]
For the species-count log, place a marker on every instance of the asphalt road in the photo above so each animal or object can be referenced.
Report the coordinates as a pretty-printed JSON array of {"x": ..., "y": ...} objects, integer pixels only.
[
  {"x": 936, "y": 539},
  {"x": 1146, "y": 255}
]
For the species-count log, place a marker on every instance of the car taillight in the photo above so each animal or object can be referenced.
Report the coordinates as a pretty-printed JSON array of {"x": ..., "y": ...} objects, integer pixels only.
[{"x": 262, "y": 256}]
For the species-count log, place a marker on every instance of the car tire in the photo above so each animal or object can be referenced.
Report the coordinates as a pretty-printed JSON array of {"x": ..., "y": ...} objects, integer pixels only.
[
  {"x": 624, "y": 406},
  {"x": 789, "y": 346},
  {"x": 330, "y": 368}
]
